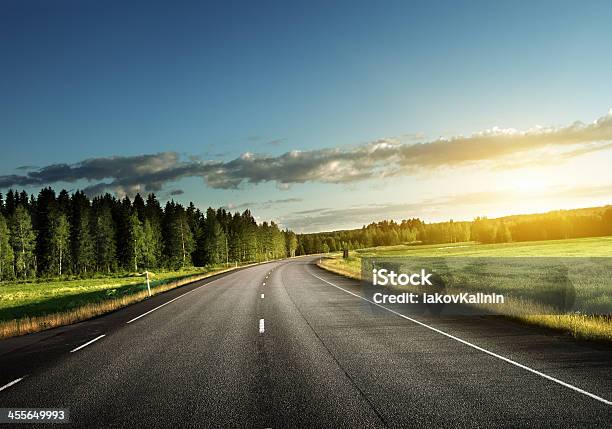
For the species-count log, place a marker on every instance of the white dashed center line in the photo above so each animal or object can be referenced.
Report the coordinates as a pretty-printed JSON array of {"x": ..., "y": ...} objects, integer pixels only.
[
  {"x": 262, "y": 296},
  {"x": 261, "y": 326}
]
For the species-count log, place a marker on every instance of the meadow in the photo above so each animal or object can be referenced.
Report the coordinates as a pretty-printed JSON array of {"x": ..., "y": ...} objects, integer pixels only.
[
  {"x": 592, "y": 325},
  {"x": 27, "y": 307}
]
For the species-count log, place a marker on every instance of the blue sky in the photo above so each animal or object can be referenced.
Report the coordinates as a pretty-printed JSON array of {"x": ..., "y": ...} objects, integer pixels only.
[{"x": 211, "y": 81}]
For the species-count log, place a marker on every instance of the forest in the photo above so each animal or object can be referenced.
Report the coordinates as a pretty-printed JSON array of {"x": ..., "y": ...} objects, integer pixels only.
[
  {"x": 69, "y": 234},
  {"x": 51, "y": 235},
  {"x": 555, "y": 225}
]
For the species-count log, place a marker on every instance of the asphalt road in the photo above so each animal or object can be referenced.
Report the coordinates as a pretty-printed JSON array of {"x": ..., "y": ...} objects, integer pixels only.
[{"x": 321, "y": 357}]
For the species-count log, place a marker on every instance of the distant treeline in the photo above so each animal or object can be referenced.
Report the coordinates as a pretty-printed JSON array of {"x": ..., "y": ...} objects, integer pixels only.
[
  {"x": 69, "y": 234},
  {"x": 592, "y": 222}
]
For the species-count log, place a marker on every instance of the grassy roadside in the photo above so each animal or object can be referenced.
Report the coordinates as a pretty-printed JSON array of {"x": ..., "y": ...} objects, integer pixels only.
[
  {"x": 32, "y": 307},
  {"x": 580, "y": 326}
]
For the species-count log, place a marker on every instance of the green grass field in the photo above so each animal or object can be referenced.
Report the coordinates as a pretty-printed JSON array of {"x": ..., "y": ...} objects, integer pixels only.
[
  {"x": 20, "y": 299},
  {"x": 27, "y": 307},
  {"x": 593, "y": 326},
  {"x": 585, "y": 247}
]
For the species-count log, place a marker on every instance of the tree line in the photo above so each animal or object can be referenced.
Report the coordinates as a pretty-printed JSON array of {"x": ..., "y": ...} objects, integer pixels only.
[
  {"x": 557, "y": 225},
  {"x": 69, "y": 234},
  {"x": 562, "y": 224}
]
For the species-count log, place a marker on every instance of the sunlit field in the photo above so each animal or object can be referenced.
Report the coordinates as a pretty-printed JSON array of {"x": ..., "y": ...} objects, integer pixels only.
[
  {"x": 18, "y": 299},
  {"x": 34, "y": 306},
  {"x": 592, "y": 326}
]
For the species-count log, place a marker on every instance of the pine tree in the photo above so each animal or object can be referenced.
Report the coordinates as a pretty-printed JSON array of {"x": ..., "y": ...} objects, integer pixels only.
[
  {"x": 84, "y": 259},
  {"x": 139, "y": 206},
  {"x": 155, "y": 240},
  {"x": 124, "y": 246},
  {"x": 10, "y": 204},
  {"x": 178, "y": 238},
  {"x": 104, "y": 239},
  {"x": 6, "y": 251},
  {"x": 23, "y": 241},
  {"x": 63, "y": 202},
  {"x": 215, "y": 241},
  {"x": 45, "y": 204}
]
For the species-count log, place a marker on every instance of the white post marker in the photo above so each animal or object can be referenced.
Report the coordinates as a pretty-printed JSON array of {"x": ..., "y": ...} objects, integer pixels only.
[
  {"x": 261, "y": 326},
  {"x": 148, "y": 284}
]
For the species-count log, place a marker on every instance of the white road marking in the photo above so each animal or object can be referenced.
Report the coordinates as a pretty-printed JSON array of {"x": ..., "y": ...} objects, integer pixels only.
[
  {"x": 173, "y": 299},
  {"x": 165, "y": 303},
  {"x": 261, "y": 326},
  {"x": 86, "y": 344},
  {"x": 262, "y": 296},
  {"x": 264, "y": 283},
  {"x": 7, "y": 385},
  {"x": 474, "y": 346}
]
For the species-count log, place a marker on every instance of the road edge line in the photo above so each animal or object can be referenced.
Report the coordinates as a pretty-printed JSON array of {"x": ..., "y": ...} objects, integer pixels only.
[
  {"x": 87, "y": 343},
  {"x": 474, "y": 346},
  {"x": 12, "y": 383}
]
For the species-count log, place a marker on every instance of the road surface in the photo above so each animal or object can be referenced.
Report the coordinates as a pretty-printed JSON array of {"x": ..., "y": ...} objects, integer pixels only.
[{"x": 286, "y": 344}]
